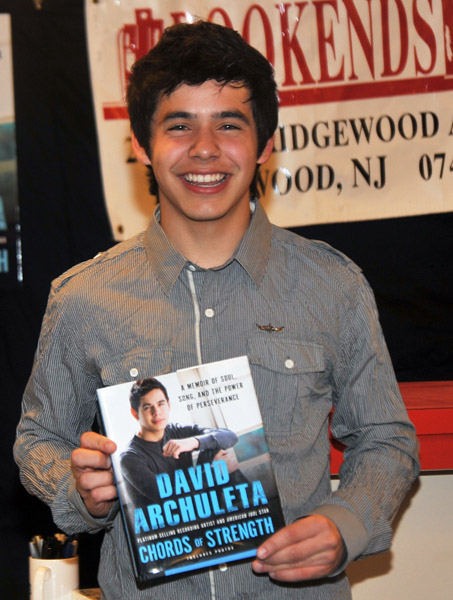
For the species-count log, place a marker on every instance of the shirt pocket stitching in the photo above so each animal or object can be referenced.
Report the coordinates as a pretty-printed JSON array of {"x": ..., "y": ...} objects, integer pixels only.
[{"x": 279, "y": 391}]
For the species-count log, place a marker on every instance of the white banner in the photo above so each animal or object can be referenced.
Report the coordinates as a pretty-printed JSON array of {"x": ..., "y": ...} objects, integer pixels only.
[{"x": 366, "y": 97}]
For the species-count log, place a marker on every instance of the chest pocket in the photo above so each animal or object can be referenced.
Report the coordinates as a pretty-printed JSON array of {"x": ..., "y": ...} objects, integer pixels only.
[
  {"x": 137, "y": 365},
  {"x": 288, "y": 375}
]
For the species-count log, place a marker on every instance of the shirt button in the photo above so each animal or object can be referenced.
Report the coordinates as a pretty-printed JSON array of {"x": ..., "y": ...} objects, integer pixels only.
[
  {"x": 192, "y": 267},
  {"x": 289, "y": 364},
  {"x": 223, "y": 567},
  {"x": 209, "y": 312},
  {"x": 133, "y": 372}
]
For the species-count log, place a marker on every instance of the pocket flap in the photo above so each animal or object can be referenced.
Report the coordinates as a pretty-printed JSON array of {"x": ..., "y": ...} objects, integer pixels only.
[
  {"x": 285, "y": 356},
  {"x": 137, "y": 365}
]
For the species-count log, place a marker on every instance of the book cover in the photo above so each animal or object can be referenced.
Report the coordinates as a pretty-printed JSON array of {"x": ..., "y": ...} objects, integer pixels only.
[{"x": 192, "y": 468}]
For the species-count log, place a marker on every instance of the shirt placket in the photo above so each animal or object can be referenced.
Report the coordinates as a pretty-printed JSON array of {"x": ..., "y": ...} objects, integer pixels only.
[{"x": 204, "y": 286}]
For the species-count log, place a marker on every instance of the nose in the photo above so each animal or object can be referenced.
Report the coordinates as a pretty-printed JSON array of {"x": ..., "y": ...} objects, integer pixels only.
[{"x": 205, "y": 144}]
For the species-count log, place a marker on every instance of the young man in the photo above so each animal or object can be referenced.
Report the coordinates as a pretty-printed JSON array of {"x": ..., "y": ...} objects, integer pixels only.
[
  {"x": 212, "y": 279},
  {"x": 163, "y": 447}
]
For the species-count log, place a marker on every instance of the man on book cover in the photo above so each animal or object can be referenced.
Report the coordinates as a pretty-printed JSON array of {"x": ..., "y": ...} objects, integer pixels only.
[
  {"x": 210, "y": 279},
  {"x": 163, "y": 447}
]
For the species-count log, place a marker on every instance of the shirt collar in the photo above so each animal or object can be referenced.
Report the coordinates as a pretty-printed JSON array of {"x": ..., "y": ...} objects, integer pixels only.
[{"x": 252, "y": 253}]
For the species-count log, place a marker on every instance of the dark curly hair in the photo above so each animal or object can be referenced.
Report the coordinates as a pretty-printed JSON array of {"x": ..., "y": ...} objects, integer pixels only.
[
  {"x": 143, "y": 387},
  {"x": 191, "y": 54}
]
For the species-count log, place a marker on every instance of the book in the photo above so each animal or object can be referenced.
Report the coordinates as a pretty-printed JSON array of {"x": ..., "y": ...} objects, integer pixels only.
[{"x": 192, "y": 468}]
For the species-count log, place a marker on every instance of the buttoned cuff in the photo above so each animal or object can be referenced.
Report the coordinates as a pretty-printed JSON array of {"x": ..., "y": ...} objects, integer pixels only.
[
  {"x": 94, "y": 524},
  {"x": 354, "y": 534}
]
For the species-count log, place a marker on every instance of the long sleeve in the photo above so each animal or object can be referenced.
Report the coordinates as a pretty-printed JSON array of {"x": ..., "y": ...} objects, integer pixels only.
[
  {"x": 216, "y": 439},
  {"x": 381, "y": 458},
  {"x": 58, "y": 406}
]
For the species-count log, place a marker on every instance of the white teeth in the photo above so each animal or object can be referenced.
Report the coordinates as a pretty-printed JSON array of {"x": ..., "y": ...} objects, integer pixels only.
[{"x": 209, "y": 178}]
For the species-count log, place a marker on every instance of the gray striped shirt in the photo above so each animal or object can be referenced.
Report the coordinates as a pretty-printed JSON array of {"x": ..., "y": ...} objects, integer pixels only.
[{"x": 141, "y": 309}]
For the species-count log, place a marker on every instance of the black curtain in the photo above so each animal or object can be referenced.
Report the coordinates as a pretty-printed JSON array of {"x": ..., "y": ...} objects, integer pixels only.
[
  {"x": 63, "y": 222},
  {"x": 63, "y": 218}
]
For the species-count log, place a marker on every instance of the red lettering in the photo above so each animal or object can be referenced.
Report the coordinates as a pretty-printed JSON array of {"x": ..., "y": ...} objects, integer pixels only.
[
  {"x": 404, "y": 38},
  {"x": 366, "y": 44},
  {"x": 325, "y": 40},
  {"x": 149, "y": 30},
  {"x": 134, "y": 40},
  {"x": 447, "y": 9},
  {"x": 355, "y": 27},
  {"x": 290, "y": 44},
  {"x": 427, "y": 34},
  {"x": 267, "y": 28},
  {"x": 179, "y": 17},
  {"x": 127, "y": 44},
  {"x": 226, "y": 19}
]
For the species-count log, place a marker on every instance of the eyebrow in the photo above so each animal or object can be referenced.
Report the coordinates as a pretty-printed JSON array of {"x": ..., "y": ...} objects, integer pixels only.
[
  {"x": 145, "y": 404},
  {"x": 225, "y": 114}
]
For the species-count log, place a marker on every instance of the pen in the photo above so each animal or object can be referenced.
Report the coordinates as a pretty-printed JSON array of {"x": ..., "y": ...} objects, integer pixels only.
[
  {"x": 33, "y": 550},
  {"x": 54, "y": 546},
  {"x": 70, "y": 549}
]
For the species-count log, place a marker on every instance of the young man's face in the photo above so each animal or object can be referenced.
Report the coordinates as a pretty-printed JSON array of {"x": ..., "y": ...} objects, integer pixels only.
[
  {"x": 203, "y": 150},
  {"x": 152, "y": 414}
]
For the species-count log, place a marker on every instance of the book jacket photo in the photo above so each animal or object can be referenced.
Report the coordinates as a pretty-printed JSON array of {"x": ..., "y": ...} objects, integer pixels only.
[{"x": 186, "y": 510}]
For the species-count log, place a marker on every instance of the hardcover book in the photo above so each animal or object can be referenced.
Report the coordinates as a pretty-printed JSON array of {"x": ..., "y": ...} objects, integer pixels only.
[{"x": 192, "y": 468}]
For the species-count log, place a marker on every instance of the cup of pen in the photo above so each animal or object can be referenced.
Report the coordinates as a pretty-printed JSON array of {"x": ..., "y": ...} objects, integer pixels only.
[{"x": 54, "y": 574}]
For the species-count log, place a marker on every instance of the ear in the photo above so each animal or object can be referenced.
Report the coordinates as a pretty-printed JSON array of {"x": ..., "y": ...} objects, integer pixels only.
[
  {"x": 139, "y": 151},
  {"x": 134, "y": 413},
  {"x": 265, "y": 154}
]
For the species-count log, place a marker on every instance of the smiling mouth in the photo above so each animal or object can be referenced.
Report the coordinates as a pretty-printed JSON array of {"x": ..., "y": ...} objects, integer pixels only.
[{"x": 210, "y": 179}]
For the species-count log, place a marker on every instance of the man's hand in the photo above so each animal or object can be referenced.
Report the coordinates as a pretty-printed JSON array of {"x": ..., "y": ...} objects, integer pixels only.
[
  {"x": 175, "y": 447},
  {"x": 310, "y": 548},
  {"x": 92, "y": 469}
]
